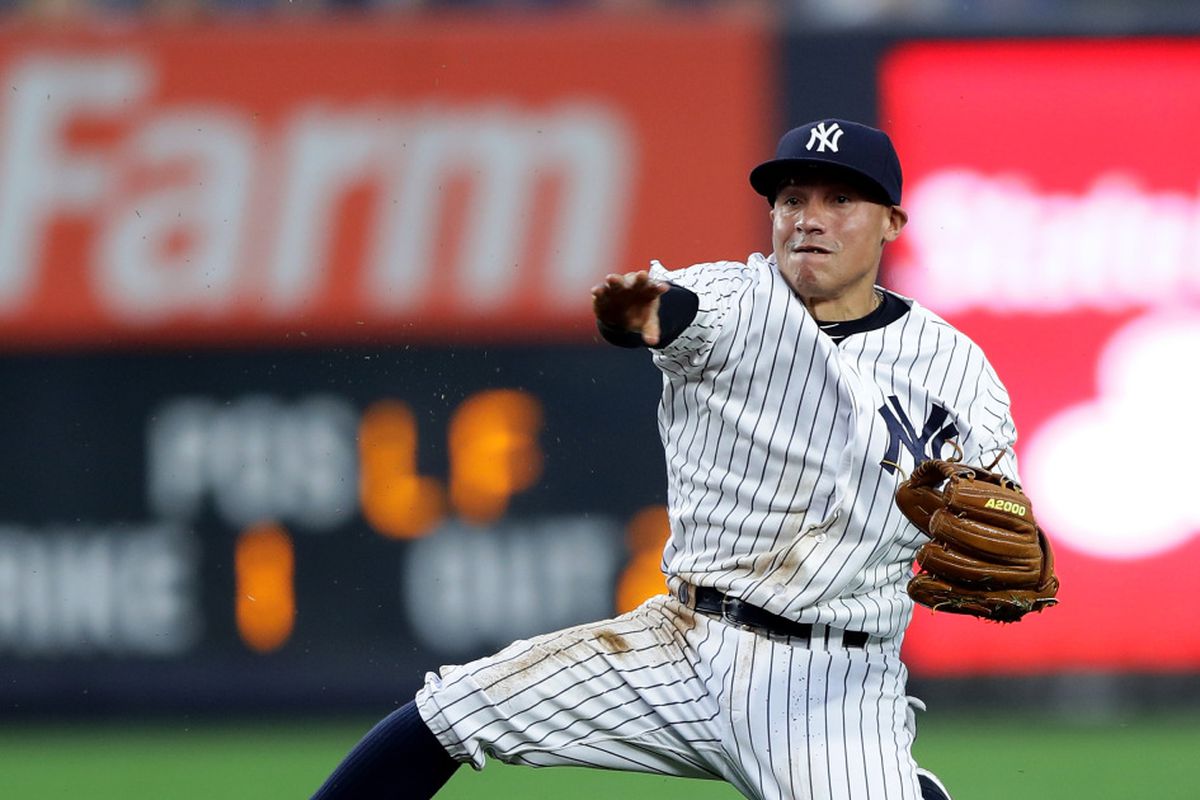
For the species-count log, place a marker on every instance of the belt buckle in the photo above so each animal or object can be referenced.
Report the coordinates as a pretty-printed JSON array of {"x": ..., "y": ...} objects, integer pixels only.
[{"x": 729, "y": 610}]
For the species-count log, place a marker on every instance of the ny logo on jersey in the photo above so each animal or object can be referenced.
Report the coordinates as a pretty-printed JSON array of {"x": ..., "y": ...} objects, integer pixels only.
[
  {"x": 824, "y": 137},
  {"x": 902, "y": 432}
]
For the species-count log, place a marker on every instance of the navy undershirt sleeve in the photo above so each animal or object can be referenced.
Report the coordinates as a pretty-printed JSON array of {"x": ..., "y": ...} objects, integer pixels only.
[{"x": 676, "y": 310}]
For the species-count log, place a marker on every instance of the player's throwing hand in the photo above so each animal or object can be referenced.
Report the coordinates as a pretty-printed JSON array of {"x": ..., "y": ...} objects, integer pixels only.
[{"x": 630, "y": 301}]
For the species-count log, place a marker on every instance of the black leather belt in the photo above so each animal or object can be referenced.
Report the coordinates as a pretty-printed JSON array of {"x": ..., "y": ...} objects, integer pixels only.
[{"x": 710, "y": 601}]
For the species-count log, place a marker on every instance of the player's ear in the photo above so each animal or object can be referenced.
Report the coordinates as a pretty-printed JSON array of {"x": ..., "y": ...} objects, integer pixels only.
[{"x": 897, "y": 218}]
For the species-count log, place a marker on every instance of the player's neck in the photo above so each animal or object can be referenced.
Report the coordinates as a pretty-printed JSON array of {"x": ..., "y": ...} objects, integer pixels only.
[{"x": 854, "y": 305}]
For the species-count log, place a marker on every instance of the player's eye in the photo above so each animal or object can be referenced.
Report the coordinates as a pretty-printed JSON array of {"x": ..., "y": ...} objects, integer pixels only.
[{"x": 842, "y": 199}]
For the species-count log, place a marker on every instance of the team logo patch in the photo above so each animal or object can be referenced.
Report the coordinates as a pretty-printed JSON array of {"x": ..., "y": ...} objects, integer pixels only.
[
  {"x": 822, "y": 137},
  {"x": 921, "y": 445}
]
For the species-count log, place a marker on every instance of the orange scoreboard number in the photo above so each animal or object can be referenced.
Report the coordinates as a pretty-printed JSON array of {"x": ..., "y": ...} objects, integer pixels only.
[
  {"x": 265, "y": 610},
  {"x": 494, "y": 453},
  {"x": 646, "y": 535},
  {"x": 396, "y": 501}
]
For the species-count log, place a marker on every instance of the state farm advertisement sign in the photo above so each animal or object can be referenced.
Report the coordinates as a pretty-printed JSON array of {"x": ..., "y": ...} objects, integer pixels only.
[
  {"x": 1054, "y": 193},
  {"x": 325, "y": 182}
]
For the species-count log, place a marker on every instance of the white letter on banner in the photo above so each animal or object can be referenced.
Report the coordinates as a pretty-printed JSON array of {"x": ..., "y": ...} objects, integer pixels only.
[
  {"x": 506, "y": 158},
  {"x": 38, "y": 176},
  {"x": 325, "y": 154},
  {"x": 142, "y": 275}
]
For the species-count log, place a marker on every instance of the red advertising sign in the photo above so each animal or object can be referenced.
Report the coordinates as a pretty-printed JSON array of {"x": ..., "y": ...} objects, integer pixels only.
[
  {"x": 1054, "y": 193},
  {"x": 328, "y": 181}
]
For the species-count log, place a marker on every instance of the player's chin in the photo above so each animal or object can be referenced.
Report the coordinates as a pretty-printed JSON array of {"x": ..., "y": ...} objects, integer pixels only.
[
  {"x": 812, "y": 265},
  {"x": 804, "y": 277}
]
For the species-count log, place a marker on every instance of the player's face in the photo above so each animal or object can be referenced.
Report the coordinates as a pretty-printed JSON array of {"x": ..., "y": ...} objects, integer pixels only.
[{"x": 829, "y": 236}]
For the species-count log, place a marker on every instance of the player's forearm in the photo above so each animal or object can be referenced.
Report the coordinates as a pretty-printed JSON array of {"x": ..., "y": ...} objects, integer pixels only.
[{"x": 676, "y": 311}]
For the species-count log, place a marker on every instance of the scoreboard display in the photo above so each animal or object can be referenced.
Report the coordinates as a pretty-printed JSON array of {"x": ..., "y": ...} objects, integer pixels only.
[{"x": 302, "y": 526}]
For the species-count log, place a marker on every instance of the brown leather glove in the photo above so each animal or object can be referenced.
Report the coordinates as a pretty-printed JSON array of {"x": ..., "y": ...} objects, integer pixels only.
[{"x": 988, "y": 557}]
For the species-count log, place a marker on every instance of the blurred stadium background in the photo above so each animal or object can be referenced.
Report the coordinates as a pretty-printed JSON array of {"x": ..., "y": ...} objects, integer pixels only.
[{"x": 302, "y": 397}]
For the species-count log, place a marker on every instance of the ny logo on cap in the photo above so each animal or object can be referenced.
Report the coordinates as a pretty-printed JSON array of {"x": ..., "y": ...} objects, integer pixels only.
[{"x": 824, "y": 137}]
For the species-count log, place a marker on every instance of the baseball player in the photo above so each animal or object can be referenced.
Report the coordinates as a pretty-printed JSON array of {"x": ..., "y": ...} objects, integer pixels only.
[{"x": 797, "y": 394}]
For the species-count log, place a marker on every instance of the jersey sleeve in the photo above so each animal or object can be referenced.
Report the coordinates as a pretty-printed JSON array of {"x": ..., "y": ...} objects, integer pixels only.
[
  {"x": 993, "y": 434},
  {"x": 718, "y": 288}
]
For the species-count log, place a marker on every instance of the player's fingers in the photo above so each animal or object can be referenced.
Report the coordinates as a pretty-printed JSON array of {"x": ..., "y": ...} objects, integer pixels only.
[
  {"x": 642, "y": 283},
  {"x": 607, "y": 293},
  {"x": 603, "y": 291},
  {"x": 650, "y": 329}
]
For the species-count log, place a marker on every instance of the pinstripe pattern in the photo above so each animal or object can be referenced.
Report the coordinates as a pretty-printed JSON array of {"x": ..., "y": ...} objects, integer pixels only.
[
  {"x": 668, "y": 691},
  {"x": 776, "y": 439},
  {"x": 774, "y": 444}
]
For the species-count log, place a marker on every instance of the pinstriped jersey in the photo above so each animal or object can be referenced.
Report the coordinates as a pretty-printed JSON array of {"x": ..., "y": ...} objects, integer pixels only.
[{"x": 784, "y": 449}]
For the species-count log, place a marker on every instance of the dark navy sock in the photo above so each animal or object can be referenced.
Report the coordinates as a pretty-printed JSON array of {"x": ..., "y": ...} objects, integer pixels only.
[
  {"x": 931, "y": 787},
  {"x": 399, "y": 757}
]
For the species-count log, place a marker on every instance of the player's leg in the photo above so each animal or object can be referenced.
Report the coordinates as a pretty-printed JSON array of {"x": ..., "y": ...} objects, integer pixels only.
[
  {"x": 619, "y": 694},
  {"x": 931, "y": 786},
  {"x": 616, "y": 694},
  {"x": 820, "y": 720},
  {"x": 399, "y": 757}
]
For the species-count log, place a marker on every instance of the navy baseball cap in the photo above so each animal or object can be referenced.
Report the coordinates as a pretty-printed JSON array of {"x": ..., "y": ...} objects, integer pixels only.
[{"x": 859, "y": 149}]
